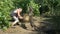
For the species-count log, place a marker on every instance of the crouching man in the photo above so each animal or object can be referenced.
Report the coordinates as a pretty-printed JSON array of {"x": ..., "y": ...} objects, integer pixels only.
[{"x": 16, "y": 14}]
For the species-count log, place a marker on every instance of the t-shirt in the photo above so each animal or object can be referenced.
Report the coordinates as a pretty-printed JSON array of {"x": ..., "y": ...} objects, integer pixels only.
[{"x": 14, "y": 12}]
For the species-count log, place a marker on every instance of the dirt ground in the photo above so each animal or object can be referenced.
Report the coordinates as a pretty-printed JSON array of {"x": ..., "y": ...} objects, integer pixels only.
[{"x": 19, "y": 30}]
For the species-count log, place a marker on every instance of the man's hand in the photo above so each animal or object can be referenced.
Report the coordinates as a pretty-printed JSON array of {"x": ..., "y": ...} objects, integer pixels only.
[{"x": 21, "y": 17}]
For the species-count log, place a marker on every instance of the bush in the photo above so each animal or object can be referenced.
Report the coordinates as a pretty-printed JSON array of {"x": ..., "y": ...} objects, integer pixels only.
[
  {"x": 5, "y": 7},
  {"x": 35, "y": 7}
]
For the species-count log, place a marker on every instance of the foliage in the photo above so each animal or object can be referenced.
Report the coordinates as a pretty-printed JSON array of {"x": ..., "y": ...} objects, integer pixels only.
[
  {"x": 5, "y": 7},
  {"x": 24, "y": 4},
  {"x": 35, "y": 7},
  {"x": 21, "y": 4},
  {"x": 53, "y": 6}
]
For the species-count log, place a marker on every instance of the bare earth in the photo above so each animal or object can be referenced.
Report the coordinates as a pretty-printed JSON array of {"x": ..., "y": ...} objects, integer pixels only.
[{"x": 20, "y": 30}]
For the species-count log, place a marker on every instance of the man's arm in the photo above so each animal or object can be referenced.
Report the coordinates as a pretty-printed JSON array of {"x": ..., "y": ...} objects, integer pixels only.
[{"x": 19, "y": 14}]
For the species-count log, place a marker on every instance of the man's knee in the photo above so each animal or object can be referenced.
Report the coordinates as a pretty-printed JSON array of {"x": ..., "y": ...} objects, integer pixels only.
[{"x": 17, "y": 20}]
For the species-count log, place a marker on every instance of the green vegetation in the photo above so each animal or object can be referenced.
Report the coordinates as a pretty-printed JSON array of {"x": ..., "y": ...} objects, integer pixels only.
[{"x": 7, "y": 5}]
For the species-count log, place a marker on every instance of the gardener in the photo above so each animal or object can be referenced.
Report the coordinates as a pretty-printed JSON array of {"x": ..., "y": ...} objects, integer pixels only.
[{"x": 16, "y": 14}]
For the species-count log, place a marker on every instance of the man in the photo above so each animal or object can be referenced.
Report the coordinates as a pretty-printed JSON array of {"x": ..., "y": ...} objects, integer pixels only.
[{"x": 16, "y": 14}]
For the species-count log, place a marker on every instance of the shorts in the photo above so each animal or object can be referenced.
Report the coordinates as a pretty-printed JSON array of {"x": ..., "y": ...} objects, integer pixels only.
[{"x": 14, "y": 14}]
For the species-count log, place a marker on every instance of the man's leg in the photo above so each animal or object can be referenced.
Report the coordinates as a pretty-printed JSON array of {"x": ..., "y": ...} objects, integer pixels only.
[{"x": 16, "y": 20}]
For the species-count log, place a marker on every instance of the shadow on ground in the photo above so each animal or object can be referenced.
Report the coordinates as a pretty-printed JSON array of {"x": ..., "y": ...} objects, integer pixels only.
[{"x": 49, "y": 25}]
